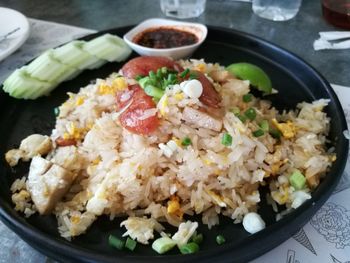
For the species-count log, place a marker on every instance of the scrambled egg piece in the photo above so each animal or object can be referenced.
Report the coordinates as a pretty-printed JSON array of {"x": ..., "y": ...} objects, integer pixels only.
[
  {"x": 174, "y": 207},
  {"x": 287, "y": 129},
  {"x": 163, "y": 105},
  {"x": 216, "y": 198}
]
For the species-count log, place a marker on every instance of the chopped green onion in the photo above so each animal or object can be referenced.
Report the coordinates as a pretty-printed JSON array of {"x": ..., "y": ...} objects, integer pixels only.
[
  {"x": 193, "y": 75},
  {"x": 189, "y": 248},
  {"x": 163, "y": 244},
  {"x": 115, "y": 242},
  {"x": 275, "y": 133},
  {"x": 220, "y": 239},
  {"x": 226, "y": 139},
  {"x": 144, "y": 81},
  {"x": 197, "y": 238},
  {"x": 250, "y": 114},
  {"x": 130, "y": 244},
  {"x": 152, "y": 75},
  {"x": 247, "y": 97},
  {"x": 186, "y": 141},
  {"x": 264, "y": 125},
  {"x": 164, "y": 70},
  {"x": 258, "y": 133},
  {"x": 297, "y": 180},
  {"x": 241, "y": 117},
  {"x": 235, "y": 110},
  {"x": 56, "y": 111},
  {"x": 154, "y": 92},
  {"x": 172, "y": 77},
  {"x": 138, "y": 77},
  {"x": 184, "y": 73}
]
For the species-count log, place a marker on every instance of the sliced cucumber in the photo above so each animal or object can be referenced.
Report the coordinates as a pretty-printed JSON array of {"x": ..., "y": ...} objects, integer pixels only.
[
  {"x": 54, "y": 66},
  {"x": 72, "y": 54},
  {"x": 47, "y": 68},
  {"x": 22, "y": 86},
  {"x": 108, "y": 47}
]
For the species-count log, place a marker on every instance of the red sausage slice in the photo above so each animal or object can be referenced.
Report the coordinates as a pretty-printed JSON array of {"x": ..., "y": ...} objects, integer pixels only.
[
  {"x": 132, "y": 118},
  {"x": 210, "y": 97},
  {"x": 143, "y": 65}
]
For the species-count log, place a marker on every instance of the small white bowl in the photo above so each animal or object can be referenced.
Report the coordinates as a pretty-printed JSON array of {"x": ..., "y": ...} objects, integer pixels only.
[{"x": 199, "y": 30}]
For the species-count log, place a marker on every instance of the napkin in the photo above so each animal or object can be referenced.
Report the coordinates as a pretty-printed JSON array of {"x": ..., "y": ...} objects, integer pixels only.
[{"x": 333, "y": 40}]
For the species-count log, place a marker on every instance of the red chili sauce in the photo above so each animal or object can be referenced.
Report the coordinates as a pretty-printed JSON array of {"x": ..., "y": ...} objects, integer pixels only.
[{"x": 164, "y": 37}]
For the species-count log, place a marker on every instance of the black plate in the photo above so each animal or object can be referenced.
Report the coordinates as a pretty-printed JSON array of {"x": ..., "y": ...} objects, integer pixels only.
[{"x": 296, "y": 82}]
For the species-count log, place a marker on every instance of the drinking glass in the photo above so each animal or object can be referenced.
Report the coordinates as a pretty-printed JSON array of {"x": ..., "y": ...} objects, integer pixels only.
[
  {"x": 182, "y": 8},
  {"x": 276, "y": 10}
]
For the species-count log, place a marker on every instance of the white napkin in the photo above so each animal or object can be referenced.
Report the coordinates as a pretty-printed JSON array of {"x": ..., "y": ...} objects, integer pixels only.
[{"x": 325, "y": 37}]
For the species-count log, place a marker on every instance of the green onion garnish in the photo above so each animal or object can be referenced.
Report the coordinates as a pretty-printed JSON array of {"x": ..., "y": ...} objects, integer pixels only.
[
  {"x": 144, "y": 81},
  {"x": 189, "y": 248},
  {"x": 163, "y": 244},
  {"x": 241, "y": 117},
  {"x": 130, "y": 244},
  {"x": 186, "y": 141},
  {"x": 152, "y": 75},
  {"x": 247, "y": 97},
  {"x": 115, "y": 242},
  {"x": 197, "y": 238},
  {"x": 226, "y": 139},
  {"x": 264, "y": 125},
  {"x": 258, "y": 133},
  {"x": 56, "y": 111},
  {"x": 154, "y": 92},
  {"x": 164, "y": 70},
  {"x": 250, "y": 114},
  {"x": 235, "y": 110},
  {"x": 193, "y": 75},
  {"x": 138, "y": 77},
  {"x": 220, "y": 239},
  {"x": 275, "y": 133},
  {"x": 297, "y": 180},
  {"x": 184, "y": 73}
]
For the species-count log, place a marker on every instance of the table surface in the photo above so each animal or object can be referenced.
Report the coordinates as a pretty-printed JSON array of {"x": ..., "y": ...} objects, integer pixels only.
[{"x": 296, "y": 35}]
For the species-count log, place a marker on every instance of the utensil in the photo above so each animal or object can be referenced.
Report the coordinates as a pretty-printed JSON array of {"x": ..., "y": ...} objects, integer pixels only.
[{"x": 296, "y": 81}]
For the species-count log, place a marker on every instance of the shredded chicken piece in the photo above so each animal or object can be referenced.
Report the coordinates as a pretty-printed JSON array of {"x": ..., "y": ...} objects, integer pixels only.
[
  {"x": 31, "y": 146},
  {"x": 47, "y": 183},
  {"x": 201, "y": 119},
  {"x": 221, "y": 75}
]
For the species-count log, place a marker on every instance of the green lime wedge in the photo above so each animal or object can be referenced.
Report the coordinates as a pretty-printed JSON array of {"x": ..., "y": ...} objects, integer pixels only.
[{"x": 257, "y": 77}]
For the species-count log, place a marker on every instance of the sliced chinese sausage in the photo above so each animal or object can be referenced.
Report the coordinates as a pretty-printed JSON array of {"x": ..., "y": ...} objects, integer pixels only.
[
  {"x": 210, "y": 97},
  {"x": 140, "y": 116},
  {"x": 143, "y": 65}
]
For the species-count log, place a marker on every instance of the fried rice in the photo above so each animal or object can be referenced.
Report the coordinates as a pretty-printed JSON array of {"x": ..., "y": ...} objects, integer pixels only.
[{"x": 157, "y": 179}]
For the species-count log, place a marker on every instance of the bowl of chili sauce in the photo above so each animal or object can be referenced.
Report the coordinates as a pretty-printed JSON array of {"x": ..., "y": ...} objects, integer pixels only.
[{"x": 164, "y": 37}]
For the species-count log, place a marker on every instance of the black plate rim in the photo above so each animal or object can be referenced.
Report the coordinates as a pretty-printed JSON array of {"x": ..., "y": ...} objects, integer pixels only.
[{"x": 69, "y": 251}]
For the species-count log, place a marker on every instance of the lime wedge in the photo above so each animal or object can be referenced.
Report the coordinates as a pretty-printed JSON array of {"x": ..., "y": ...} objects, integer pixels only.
[{"x": 257, "y": 77}]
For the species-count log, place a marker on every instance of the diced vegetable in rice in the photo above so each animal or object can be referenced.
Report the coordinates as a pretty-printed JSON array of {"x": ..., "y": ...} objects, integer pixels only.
[{"x": 198, "y": 161}]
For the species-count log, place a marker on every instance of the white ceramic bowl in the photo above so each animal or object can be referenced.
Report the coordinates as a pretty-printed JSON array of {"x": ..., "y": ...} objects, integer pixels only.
[{"x": 199, "y": 30}]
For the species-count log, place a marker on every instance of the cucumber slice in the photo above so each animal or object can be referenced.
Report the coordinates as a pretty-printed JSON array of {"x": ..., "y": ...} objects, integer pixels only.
[
  {"x": 72, "y": 54},
  {"x": 108, "y": 47},
  {"x": 97, "y": 64},
  {"x": 22, "y": 86},
  {"x": 47, "y": 68}
]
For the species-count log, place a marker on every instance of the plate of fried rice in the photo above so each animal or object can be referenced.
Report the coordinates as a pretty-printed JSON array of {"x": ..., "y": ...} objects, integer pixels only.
[{"x": 104, "y": 169}]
